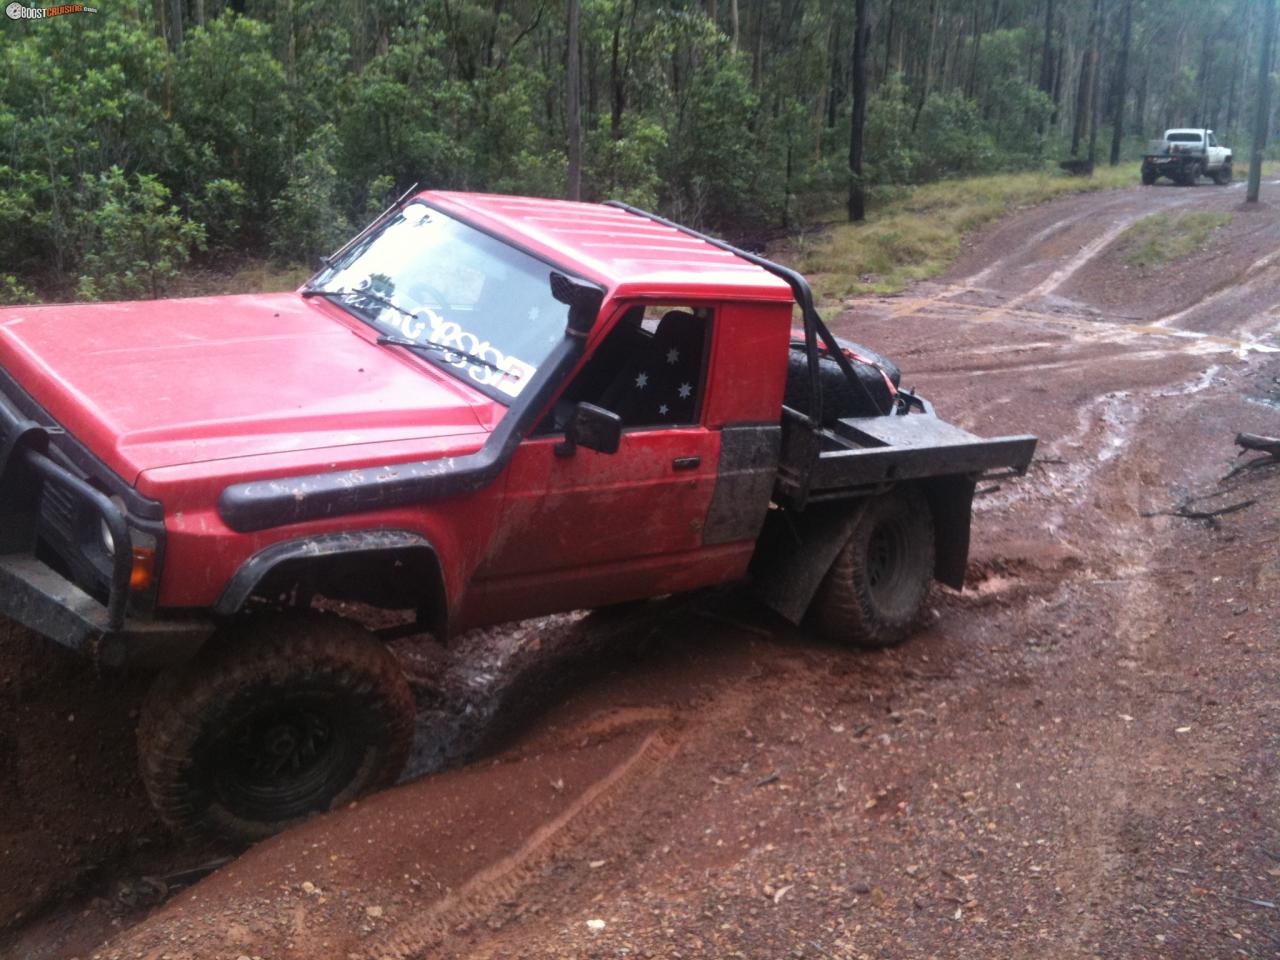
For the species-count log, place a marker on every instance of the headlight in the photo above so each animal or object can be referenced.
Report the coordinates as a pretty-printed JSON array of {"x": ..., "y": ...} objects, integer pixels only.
[{"x": 108, "y": 541}]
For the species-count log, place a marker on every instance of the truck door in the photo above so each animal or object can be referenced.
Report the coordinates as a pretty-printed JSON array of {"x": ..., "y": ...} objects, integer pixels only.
[
  {"x": 588, "y": 528},
  {"x": 1213, "y": 152}
]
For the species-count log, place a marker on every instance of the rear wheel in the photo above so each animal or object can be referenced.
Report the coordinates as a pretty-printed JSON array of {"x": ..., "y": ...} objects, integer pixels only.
[
  {"x": 292, "y": 716},
  {"x": 875, "y": 590},
  {"x": 1191, "y": 175},
  {"x": 1148, "y": 176}
]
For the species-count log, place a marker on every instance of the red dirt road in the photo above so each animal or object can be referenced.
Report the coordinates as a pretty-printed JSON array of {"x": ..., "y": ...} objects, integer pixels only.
[{"x": 1078, "y": 757}]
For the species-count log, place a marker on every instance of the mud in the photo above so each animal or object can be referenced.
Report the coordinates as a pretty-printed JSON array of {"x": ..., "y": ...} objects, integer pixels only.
[{"x": 1077, "y": 757}]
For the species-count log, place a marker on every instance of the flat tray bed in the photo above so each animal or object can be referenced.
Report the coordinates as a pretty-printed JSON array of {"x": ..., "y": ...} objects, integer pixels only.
[{"x": 864, "y": 451}]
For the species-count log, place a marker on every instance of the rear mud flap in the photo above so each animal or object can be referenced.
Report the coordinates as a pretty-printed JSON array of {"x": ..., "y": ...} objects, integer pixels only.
[{"x": 795, "y": 552}]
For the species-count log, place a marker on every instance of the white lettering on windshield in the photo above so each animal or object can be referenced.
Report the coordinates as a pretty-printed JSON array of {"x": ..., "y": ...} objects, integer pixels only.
[{"x": 511, "y": 374}]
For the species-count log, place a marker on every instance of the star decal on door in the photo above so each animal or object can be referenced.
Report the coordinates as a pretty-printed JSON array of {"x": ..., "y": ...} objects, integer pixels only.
[
  {"x": 685, "y": 390},
  {"x": 642, "y": 380}
]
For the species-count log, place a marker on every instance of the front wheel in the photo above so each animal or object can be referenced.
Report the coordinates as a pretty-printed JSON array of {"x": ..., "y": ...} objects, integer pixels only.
[
  {"x": 289, "y": 717},
  {"x": 875, "y": 590},
  {"x": 1222, "y": 176}
]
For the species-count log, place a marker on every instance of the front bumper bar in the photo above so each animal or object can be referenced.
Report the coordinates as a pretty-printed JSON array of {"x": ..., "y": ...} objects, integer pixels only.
[{"x": 39, "y": 597}]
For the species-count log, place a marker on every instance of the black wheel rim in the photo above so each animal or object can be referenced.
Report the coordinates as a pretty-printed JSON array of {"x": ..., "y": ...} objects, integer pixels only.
[
  {"x": 285, "y": 758},
  {"x": 886, "y": 551}
]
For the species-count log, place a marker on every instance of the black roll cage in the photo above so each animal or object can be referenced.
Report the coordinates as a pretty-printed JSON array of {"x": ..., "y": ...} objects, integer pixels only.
[{"x": 814, "y": 327}]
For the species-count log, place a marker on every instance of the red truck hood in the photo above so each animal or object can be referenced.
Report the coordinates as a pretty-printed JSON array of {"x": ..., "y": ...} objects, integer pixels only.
[{"x": 166, "y": 382}]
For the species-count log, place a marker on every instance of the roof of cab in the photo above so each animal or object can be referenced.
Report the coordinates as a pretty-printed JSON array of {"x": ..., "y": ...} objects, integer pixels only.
[{"x": 630, "y": 254}]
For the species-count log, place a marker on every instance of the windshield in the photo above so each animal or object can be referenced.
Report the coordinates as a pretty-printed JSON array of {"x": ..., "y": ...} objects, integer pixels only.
[{"x": 425, "y": 277}]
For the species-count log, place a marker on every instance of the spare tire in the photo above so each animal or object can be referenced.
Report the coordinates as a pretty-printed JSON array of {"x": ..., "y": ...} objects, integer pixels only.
[{"x": 870, "y": 396}]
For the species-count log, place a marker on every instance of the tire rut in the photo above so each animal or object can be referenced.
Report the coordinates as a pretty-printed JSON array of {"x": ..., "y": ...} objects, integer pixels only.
[{"x": 419, "y": 936}]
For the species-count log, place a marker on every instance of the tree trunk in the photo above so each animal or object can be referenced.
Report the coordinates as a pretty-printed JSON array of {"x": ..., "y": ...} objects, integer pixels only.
[
  {"x": 1231, "y": 94},
  {"x": 1095, "y": 102},
  {"x": 1262, "y": 114},
  {"x": 175, "y": 25},
  {"x": 1088, "y": 84},
  {"x": 1122, "y": 83},
  {"x": 757, "y": 56},
  {"x": 291, "y": 45},
  {"x": 1046, "y": 51},
  {"x": 162, "y": 20},
  {"x": 1202, "y": 80},
  {"x": 733, "y": 15},
  {"x": 971, "y": 85},
  {"x": 928, "y": 64},
  {"x": 573, "y": 84},
  {"x": 1059, "y": 71},
  {"x": 1139, "y": 108},
  {"x": 835, "y": 85},
  {"x": 1078, "y": 126},
  {"x": 857, "y": 189},
  {"x": 617, "y": 83},
  {"x": 888, "y": 41}
]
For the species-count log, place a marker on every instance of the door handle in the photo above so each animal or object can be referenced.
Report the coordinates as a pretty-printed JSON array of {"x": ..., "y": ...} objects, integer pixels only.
[{"x": 686, "y": 463}]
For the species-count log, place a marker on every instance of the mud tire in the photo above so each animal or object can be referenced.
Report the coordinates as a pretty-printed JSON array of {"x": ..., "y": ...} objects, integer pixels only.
[
  {"x": 1191, "y": 175},
  {"x": 1222, "y": 176},
  {"x": 1149, "y": 177},
  {"x": 290, "y": 716},
  {"x": 875, "y": 591}
]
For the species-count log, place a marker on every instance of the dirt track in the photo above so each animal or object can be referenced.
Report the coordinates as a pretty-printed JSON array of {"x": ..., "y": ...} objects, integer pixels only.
[{"x": 1079, "y": 757}]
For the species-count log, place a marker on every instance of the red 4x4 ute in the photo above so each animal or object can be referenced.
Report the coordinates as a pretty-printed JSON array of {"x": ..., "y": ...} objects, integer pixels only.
[{"x": 484, "y": 408}]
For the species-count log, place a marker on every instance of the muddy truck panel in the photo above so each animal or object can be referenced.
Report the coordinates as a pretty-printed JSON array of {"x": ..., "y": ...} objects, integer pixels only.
[{"x": 483, "y": 409}]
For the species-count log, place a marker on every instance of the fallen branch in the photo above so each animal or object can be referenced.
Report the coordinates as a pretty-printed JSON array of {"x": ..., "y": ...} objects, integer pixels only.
[
  {"x": 1189, "y": 514},
  {"x": 1185, "y": 512}
]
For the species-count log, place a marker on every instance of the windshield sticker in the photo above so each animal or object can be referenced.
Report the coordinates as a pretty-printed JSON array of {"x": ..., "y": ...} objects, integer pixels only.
[
  {"x": 516, "y": 374},
  {"x": 483, "y": 362}
]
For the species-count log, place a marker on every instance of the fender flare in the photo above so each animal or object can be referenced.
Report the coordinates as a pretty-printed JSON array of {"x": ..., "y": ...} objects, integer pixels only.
[{"x": 303, "y": 550}]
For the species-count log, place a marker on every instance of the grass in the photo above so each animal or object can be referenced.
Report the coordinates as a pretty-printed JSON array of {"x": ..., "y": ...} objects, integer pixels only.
[
  {"x": 1165, "y": 237},
  {"x": 248, "y": 276},
  {"x": 919, "y": 233}
]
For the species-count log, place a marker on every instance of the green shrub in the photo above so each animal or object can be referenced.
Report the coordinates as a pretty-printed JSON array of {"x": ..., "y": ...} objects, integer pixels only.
[
  {"x": 12, "y": 291},
  {"x": 232, "y": 106},
  {"x": 139, "y": 240},
  {"x": 221, "y": 205},
  {"x": 307, "y": 218},
  {"x": 952, "y": 140}
]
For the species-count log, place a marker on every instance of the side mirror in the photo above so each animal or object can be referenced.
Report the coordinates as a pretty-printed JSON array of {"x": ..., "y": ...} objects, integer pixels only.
[
  {"x": 583, "y": 300},
  {"x": 592, "y": 427}
]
